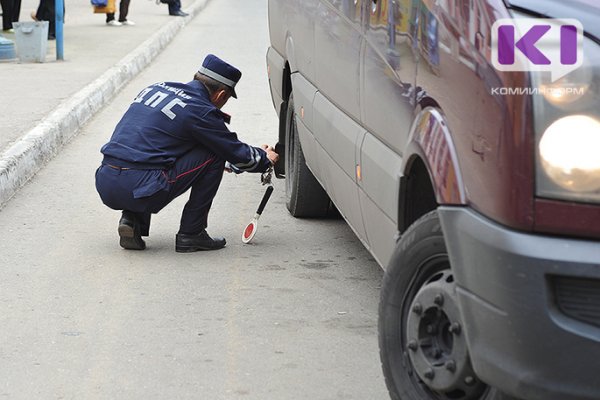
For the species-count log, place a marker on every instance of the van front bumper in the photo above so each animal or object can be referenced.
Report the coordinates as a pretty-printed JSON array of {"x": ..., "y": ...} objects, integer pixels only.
[{"x": 530, "y": 306}]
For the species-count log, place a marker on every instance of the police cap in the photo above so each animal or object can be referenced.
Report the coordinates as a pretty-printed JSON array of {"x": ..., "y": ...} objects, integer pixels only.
[{"x": 220, "y": 71}]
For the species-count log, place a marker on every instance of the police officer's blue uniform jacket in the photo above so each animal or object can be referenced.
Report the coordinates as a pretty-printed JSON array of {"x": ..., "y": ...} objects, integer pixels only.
[
  {"x": 167, "y": 120},
  {"x": 170, "y": 140}
]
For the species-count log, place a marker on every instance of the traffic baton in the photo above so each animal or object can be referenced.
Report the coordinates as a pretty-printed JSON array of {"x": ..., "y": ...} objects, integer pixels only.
[{"x": 251, "y": 228}]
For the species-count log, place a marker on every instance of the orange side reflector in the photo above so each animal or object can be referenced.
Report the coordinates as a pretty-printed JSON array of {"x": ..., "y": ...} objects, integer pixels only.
[
  {"x": 302, "y": 112},
  {"x": 358, "y": 173}
]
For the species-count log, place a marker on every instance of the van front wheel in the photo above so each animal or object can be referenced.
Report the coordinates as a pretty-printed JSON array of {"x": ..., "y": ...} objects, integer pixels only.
[{"x": 422, "y": 345}]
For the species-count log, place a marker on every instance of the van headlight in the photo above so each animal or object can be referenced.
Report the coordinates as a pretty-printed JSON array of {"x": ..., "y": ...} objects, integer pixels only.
[
  {"x": 570, "y": 153},
  {"x": 567, "y": 124}
]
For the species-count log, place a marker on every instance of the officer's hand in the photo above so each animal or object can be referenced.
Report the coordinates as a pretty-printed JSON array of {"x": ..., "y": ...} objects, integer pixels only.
[
  {"x": 274, "y": 157},
  {"x": 271, "y": 155}
]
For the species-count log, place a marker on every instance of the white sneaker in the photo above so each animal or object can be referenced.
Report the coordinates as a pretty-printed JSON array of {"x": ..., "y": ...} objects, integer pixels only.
[
  {"x": 114, "y": 22},
  {"x": 129, "y": 23}
]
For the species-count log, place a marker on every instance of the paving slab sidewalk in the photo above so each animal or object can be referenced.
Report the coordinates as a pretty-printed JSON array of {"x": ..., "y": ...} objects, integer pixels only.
[{"x": 44, "y": 104}]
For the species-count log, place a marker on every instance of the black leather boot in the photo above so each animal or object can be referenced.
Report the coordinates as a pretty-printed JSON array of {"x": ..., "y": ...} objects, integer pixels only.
[
  {"x": 185, "y": 243},
  {"x": 129, "y": 232}
]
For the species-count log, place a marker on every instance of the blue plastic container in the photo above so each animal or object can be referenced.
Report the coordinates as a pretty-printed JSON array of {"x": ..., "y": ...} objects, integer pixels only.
[{"x": 7, "y": 49}]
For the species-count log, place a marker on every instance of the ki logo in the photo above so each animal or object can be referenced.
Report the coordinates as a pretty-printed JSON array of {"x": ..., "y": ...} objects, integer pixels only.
[{"x": 537, "y": 44}]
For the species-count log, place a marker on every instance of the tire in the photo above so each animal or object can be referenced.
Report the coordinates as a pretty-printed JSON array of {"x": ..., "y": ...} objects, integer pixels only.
[
  {"x": 304, "y": 195},
  {"x": 423, "y": 354}
]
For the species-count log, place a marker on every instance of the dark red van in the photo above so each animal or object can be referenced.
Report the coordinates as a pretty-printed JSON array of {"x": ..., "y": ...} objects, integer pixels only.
[{"x": 476, "y": 188}]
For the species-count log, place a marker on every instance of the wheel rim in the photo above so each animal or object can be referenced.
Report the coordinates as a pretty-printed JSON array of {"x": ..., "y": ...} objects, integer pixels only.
[{"x": 433, "y": 339}]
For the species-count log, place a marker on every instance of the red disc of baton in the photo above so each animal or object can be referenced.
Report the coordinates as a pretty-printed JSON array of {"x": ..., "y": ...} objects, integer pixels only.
[{"x": 249, "y": 230}]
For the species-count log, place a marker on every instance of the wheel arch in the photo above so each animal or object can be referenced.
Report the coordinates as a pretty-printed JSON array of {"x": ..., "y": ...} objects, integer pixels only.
[{"x": 431, "y": 172}]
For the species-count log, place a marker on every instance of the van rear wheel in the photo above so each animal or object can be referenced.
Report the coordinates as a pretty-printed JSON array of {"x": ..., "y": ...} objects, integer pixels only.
[
  {"x": 304, "y": 195},
  {"x": 422, "y": 347}
]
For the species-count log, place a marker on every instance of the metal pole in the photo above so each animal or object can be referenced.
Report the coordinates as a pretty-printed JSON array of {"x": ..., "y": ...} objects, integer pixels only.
[{"x": 60, "y": 17}]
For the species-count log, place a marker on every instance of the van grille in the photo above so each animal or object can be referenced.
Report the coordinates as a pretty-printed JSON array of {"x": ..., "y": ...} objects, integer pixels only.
[{"x": 579, "y": 298}]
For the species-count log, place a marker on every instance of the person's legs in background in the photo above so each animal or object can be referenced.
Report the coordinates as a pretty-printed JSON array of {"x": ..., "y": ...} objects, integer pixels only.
[
  {"x": 175, "y": 9},
  {"x": 6, "y": 14},
  {"x": 111, "y": 21},
  {"x": 123, "y": 12},
  {"x": 46, "y": 12},
  {"x": 10, "y": 13},
  {"x": 16, "y": 10}
]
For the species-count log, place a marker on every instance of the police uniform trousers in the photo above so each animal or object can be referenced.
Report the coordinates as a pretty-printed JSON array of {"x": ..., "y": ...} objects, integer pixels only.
[{"x": 143, "y": 192}]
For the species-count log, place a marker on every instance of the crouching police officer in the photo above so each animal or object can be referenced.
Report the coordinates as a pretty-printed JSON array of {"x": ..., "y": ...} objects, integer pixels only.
[{"x": 172, "y": 138}]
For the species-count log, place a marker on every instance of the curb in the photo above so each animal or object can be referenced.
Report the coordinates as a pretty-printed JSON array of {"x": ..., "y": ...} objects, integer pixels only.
[{"x": 27, "y": 156}]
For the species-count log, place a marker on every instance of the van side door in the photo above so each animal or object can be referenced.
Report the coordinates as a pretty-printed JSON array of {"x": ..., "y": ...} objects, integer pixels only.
[
  {"x": 388, "y": 97},
  {"x": 338, "y": 44}
]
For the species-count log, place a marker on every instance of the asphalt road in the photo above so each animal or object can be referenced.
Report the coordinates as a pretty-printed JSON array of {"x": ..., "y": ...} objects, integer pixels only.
[{"x": 291, "y": 316}]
